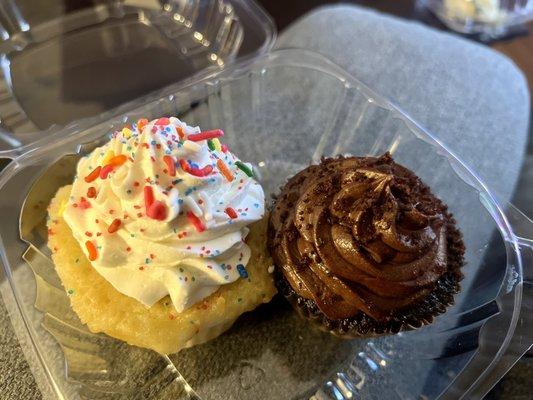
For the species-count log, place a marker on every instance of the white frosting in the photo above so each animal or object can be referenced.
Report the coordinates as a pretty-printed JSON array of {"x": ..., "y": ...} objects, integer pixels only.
[{"x": 147, "y": 258}]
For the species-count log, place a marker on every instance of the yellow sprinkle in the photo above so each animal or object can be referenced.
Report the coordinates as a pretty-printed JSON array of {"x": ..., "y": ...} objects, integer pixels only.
[
  {"x": 62, "y": 208},
  {"x": 126, "y": 132},
  {"x": 218, "y": 146},
  {"x": 108, "y": 156},
  {"x": 192, "y": 146}
]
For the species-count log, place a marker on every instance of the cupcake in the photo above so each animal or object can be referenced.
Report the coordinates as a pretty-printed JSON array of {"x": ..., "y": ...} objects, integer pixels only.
[
  {"x": 363, "y": 247},
  {"x": 160, "y": 239}
]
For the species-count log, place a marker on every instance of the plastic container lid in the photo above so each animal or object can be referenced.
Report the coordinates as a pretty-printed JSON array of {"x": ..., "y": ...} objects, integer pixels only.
[
  {"x": 272, "y": 354},
  {"x": 62, "y": 64}
]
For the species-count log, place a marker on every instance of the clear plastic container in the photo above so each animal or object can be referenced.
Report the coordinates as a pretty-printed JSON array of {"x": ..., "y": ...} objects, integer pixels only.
[
  {"x": 284, "y": 110},
  {"x": 489, "y": 18},
  {"x": 62, "y": 62}
]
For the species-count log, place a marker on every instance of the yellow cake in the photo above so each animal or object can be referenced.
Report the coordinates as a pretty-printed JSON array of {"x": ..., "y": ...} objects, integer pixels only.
[{"x": 160, "y": 326}]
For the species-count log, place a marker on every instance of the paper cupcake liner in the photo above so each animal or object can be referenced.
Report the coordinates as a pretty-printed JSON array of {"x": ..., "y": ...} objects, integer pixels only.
[{"x": 415, "y": 316}]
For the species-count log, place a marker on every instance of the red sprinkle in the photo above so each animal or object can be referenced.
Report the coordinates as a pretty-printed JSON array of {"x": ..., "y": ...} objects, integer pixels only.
[
  {"x": 162, "y": 121},
  {"x": 231, "y": 212},
  {"x": 184, "y": 165},
  {"x": 95, "y": 173},
  {"x": 148, "y": 197},
  {"x": 84, "y": 204},
  {"x": 128, "y": 248},
  {"x": 91, "y": 249},
  {"x": 215, "y": 133},
  {"x": 88, "y": 234},
  {"x": 193, "y": 219},
  {"x": 105, "y": 171},
  {"x": 171, "y": 166},
  {"x": 157, "y": 211},
  {"x": 200, "y": 172},
  {"x": 224, "y": 148},
  {"x": 91, "y": 192},
  {"x": 114, "y": 225}
]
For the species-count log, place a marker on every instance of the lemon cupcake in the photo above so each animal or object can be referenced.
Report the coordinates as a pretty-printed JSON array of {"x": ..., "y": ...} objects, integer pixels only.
[{"x": 160, "y": 239}]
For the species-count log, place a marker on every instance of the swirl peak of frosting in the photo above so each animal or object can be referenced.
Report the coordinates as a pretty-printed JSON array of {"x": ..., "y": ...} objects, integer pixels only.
[
  {"x": 359, "y": 234},
  {"x": 162, "y": 209}
]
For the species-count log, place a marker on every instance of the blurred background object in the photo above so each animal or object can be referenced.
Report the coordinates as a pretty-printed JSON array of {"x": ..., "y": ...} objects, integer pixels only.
[{"x": 489, "y": 18}]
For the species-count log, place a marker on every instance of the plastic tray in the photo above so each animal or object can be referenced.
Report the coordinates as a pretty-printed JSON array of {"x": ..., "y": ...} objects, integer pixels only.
[{"x": 283, "y": 110}]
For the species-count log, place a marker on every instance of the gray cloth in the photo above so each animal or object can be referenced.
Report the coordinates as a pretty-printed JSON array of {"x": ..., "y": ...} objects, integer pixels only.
[
  {"x": 16, "y": 380},
  {"x": 473, "y": 99}
]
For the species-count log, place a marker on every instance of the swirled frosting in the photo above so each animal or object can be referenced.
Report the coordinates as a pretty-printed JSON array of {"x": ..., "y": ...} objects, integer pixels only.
[
  {"x": 359, "y": 234},
  {"x": 162, "y": 209}
]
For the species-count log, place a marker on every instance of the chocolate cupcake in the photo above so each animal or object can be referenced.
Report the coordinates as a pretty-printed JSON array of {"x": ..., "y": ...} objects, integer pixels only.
[{"x": 363, "y": 247}]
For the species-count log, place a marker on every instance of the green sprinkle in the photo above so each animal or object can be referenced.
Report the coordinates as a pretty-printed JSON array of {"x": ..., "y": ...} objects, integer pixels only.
[
  {"x": 211, "y": 144},
  {"x": 193, "y": 278},
  {"x": 77, "y": 260},
  {"x": 70, "y": 292},
  {"x": 244, "y": 168}
]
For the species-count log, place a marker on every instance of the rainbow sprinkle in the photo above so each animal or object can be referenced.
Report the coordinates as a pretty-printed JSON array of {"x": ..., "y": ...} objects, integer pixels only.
[
  {"x": 224, "y": 170},
  {"x": 91, "y": 249},
  {"x": 195, "y": 221},
  {"x": 215, "y": 133},
  {"x": 244, "y": 168}
]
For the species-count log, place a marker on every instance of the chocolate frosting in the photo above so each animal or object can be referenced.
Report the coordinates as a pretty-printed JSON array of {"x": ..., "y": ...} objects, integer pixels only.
[{"x": 359, "y": 235}]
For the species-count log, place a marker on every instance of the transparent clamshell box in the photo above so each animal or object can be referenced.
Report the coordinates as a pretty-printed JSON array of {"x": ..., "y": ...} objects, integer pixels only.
[{"x": 71, "y": 77}]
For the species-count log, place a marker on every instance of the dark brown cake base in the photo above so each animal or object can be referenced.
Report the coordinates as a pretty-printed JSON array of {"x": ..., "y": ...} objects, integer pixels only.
[{"x": 415, "y": 316}]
